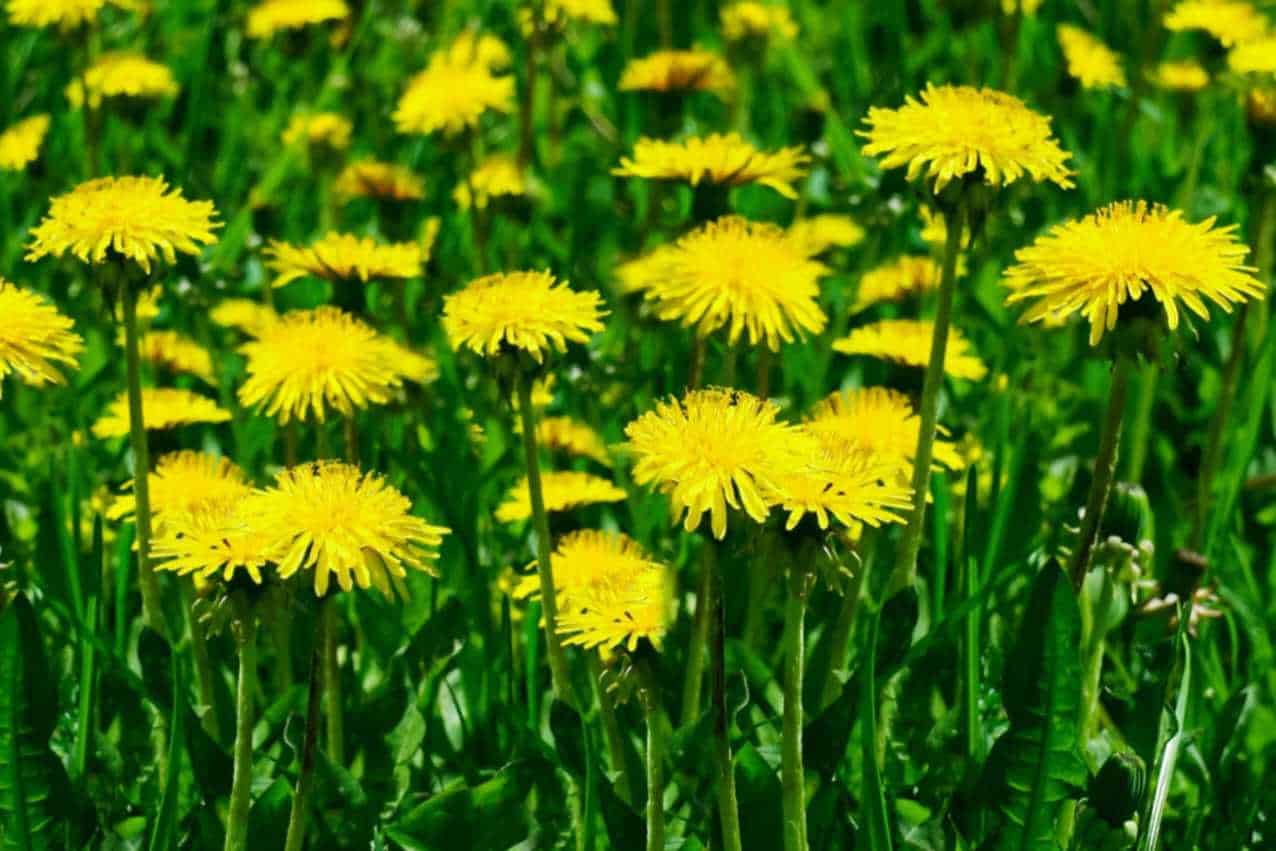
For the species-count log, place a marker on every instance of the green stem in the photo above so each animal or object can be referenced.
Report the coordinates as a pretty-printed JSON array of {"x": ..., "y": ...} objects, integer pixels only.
[
  {"x": 241, "y": 785},
  {"x": 301, "y": 794},
  {"x": 332, "y": 680},
  {"x": 844, "y": 628},
  {"x": 152, "y": 613},
  {"x": 1104, "y": 464},
  {"x": 691, "y": 684},
  {"x": 649, "y": 694},
  {"x": 792, "y": 773},
  {"x": 1094, "y": 610},
  {"x": 911, "y": 543},
  {"x": 1218, "y": 429},
  {"x": 728, "y": 807},
  {"x": 1140, "y": 422},
  {"x": 204, "y": 677},
  {"x": 544, "y": 545},
  {"x": 612, "y": 736},
  {"x": 281, "y": 637}
]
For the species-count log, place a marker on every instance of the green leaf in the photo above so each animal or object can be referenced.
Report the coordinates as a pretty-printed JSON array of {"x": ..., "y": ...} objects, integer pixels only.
[
  {"x": 489, "y": 815},
  {"x": 1037, "y": 763},
  {"x": 29, "y": 770},
  {"x": 164, "y": 829},
  {"x": 873, "y": 792}
]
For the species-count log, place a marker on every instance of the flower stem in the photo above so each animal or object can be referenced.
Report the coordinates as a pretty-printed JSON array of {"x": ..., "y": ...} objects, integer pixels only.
[
  {"x": 1218, "y": 429},
  {"x": 301, "y": 795},
  {"x": 152, "y": 613},
  {"x": 911, "y": 543},
  {"x": 844, "y": 627},
  {"x": 1104, "y": 464},
  {"x": 728, "y": 808},
  {"x": 332, "y": 679},
  {"x": 792, "y": 773},
  {"x": 204, "y": 677},
  {"x": 699, "y": 638},
  {"x": 649, "y": 694},
  {"x": 612, "y": 736},
  {"x": 544, "y": 546},
  {"x": 241, "y": 785}
]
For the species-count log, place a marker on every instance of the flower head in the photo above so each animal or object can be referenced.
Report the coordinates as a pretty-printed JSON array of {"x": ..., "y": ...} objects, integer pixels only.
[
  {"x": 562, "y": 491},
  {"x": 573, "y": 437},
  {"x": 817, "y": 234},
  {"x": 1024, "y": 7},
  {"x": 319, "y": 128},
  {"x": 907, "y": 341},
  {"x": 459, "y": 84},
  {"x": 1229, "y": 21},
  {"x": 497, "y": 176},
  {"x": 1091, "y": 61},
  {"x": 313, "y": 361},
  {"x": 839, "y": 480},
  {"x": 529, "y": 311},
  {"x": 343, "y": 257},
  {"x": 122, "y": 75},
  {"x": 714, "y": 449},
  {"x": 1183, "y": 76},
  {"x": 677, "y": 71},
  {"x": 558, "y": 13},
  {"x": 139, "y": 218},
  {"x": 272, "y": 16},
  {"x": 727, "y": 160},
  {"x": 20, "y": 144},
  {"x": 408, "y": 363},
  {"x": 879, "y": 421},
  {"x": 176, "y": 353},
  {"x": 373, "y": 179},
  {"x": 216, "y": 539},
  {"x": 334, "y": 520},
  {"x": 896, "y": 279},
  {"x": 34, "y": 337},
  {"x": 751, "y": 19},
  {"x": 1094, "y": 265},
  {"x": 162, "y": 408},
  {"x": 745, "y": 276},
  {"x": 185, "y": 482},
  {"x": 243, "y": 314},
  {"x": 642, "y": 273},
  {"x": 67, "y": 14},
  {"x": 955, "y": 131},
  {"x": 1254, "y": 57}
]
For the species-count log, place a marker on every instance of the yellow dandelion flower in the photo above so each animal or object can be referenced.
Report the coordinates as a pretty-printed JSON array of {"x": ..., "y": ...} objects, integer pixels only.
[
  {"x": 343, "y": 257},
  {"x": 841, "y": 481},
  {"x": 1123, "y": 251},
  {"x": 1090, "y": 61},
  {"x": 185, "y": 482},
  {"x": 215, "y": 541},
  {"x": 613, "y": 594},
  {"x": 558, "y": 13},
  {"x": 677, "y": 71},
  {"x": 246, "y": 315},
  {"x": 1228, "y": 21},
  {"x": 20, "y": 144},
  {"x": 907, "y": 341},
  {"x": 727, "y": 160},
  {"x": 935, "y": 231},
  {"x": 897, "y": 279},
  {"x": 170, "y": 350},
  {"x": 1260, "y": 106},
  {"x": 573, "y": 437},
  {"x": 34, "y": 337},
  {"x": 879, "y": 421},
  {"x": 751, "y": 19},
  {"x": 1183, "y": 76},
  {"x": 497, "y": 176},
  {"x": 272, "y": 16},
  {"x": 138, "y": 218},
  {"x": 1254, "y": 57},
  {"x": 563, "y": 491},
  {"x": 319, "y": 128},
  {"x": 334, "y": 520},
  {"x": 122, "y": 75},
  {"x": 67, "y": 14},
  {"x": 746, "y": 276},
  {"x": 641, "y": 273},
  {"x": 411, "y": 365},
  {"x": 713, "y": 450},
  {"x": 162, "y": 408},
  {"x": 530, "y": 311},
  {"x": 458, "y": 85},
  {"x": 1024, "y": 7},
  {"x": 817, "y": 234},
  {"x": 373, "y": 179},
  {"x": 956, "y": 131},
  {"x": 311, "y": 361},
  {"x": 542, "y": 393}
]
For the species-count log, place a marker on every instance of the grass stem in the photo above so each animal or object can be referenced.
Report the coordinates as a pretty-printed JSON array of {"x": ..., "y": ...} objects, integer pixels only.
[{"x": 241, "y": 785}]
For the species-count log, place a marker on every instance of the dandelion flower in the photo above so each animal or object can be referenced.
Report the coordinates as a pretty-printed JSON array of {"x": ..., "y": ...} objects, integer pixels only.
[
  {"x": 1254, "y": 57},
  {"x": 246, "y": 315},
  {"x": 1024, "y": 7},
  {"x": 746, "y": 276},
  {"x": 713, "y": 450},
  {"x": 842, "y": 481},
  {"x": 1184, "y": 76},
  {"x": 334, "y": 520},
  {"x": 162, "y": 408},
  {"x": 562, "y": 491},
  {"x": 172, "y": 351},
  {"x": 955, "y": 131},
  {"x": 818, "y": 234},
  {"x": 122, "y": 75},
  {"x": 727, "y": 160},
  {"x": 530, "y": 311},
  {"x": 879, "y": 421},
  {"x": 34, "y": 337},
  {"x": 20, "y": 144},
  {"x": 67, "y": 14},
  {"x": 751, "y": 19},
  {"x": 642, "y": 273},
  {"x": 185, "y": 482},
  {"x": 139, "y": 218},
  {"x": 935, "y": 231},
  {"x": 1094, "y": 265},
  {"x": 311, "y": 361},
  {"x": 897, "y": 279},
  {"x": 1228, "y": 21},
  {"x": 373, "y": 179},
  {"x": 907, "y": 341},
  {"x": 1090, "y": 61},
  {"x": 319, "y": 128},
  {"x": 1260, "y": 106},
  {"x": 497, "y": 176},
  {"x": 571, "y": 436},
  {"x": 214, "y": 541},
  {"x": 677, "y": 71},
  {"x": 272, "y": 16},
  {"x": 411, "y": 365},
  {"x": 343, "y": 257},
  {"x": 458, "y": 85},
  {"x": 557, "y": 13}
]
